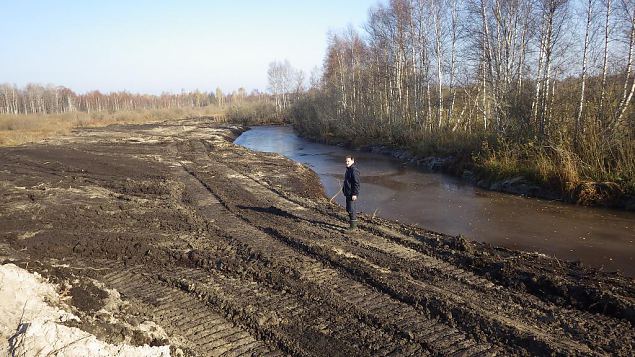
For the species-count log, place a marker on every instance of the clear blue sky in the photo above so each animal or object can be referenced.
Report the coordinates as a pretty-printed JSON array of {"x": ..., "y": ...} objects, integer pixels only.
[{"x": 155, "y": 46}]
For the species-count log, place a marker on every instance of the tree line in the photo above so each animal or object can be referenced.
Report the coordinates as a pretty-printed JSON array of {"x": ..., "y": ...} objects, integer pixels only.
[
  {"x": 38, "y": 99},
  {"x": 555, "y": 73}
]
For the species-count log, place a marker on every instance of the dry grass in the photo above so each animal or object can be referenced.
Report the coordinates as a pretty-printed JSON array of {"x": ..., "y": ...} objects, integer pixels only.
[
  {"x": 552, "y": 166},
  {"x": 21, "y": 129},
  {"x": 253, "y": 113},
  {"x": 557, "y": 166}
]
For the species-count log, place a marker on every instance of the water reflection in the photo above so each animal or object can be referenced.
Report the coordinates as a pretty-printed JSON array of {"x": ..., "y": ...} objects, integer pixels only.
[{"x": 446, "y": 204}]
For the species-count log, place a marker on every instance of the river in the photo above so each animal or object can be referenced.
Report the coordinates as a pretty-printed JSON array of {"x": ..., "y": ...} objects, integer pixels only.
[{"x": 597, "y": 237}]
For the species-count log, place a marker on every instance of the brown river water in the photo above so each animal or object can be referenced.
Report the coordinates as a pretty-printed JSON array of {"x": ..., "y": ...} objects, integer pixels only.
[{"x": 597, "y": 237}]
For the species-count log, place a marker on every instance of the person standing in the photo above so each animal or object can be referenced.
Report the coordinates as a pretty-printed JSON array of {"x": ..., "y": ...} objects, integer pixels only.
[{"x": 351, "y": 190}]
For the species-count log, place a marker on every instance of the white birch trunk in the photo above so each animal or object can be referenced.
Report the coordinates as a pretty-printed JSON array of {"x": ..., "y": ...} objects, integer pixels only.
[{"x": 578, "y": 120}]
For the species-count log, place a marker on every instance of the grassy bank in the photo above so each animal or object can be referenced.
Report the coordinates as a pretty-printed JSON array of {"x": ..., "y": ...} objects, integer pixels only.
[{"x": 258, "y": 112}]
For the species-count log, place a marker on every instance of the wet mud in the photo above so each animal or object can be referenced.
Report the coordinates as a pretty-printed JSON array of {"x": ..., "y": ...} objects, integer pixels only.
[{"x": 238, "y": 253}]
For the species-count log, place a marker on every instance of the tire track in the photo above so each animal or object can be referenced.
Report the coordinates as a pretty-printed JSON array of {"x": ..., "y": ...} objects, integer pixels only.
[
  {"x": 289, "y": 318},
  {"x": 190, "y": 321}
]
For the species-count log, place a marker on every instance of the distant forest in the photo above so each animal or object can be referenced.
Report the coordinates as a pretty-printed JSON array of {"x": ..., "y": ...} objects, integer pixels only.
[{"x": 38, "y": 99}]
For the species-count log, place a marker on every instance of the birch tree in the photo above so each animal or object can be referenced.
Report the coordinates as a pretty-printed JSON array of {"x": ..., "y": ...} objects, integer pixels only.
[
  {"x": 627, "y": 94},
  {"x": 283, "y": 80},
  {"x": 585, "y": 51}
]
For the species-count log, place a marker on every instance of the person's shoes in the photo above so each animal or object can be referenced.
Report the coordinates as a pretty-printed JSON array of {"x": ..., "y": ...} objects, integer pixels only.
[{"x": 352, "y": 227}]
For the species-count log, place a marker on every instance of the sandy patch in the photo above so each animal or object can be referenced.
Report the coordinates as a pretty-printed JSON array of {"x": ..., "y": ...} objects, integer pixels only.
[{"x": 31, "y": 317}]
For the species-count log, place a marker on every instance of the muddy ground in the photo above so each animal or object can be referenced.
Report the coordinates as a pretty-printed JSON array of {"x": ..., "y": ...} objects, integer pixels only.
[{"x": 235, "y": 253}]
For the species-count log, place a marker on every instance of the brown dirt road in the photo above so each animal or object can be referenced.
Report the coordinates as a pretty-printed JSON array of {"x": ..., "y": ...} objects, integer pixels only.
[{"x": 238, "y": 253}]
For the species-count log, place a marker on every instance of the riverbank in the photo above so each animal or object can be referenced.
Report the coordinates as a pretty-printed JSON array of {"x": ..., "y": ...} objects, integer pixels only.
[
  {"x": 233, "y": 251},
  {"x": 596, "y": 194},
  {"x": 465, "y": 166}
]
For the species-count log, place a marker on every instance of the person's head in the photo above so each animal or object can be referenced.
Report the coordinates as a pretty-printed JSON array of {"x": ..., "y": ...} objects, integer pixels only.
[{"x": 350, "y": 160}]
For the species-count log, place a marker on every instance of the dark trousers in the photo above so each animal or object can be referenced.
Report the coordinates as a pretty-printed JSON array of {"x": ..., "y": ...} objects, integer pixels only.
[{"x": 350, "y": 208}]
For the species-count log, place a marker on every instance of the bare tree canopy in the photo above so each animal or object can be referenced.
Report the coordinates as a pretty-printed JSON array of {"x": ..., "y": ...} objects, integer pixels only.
[{"x": 285, "y": 83}]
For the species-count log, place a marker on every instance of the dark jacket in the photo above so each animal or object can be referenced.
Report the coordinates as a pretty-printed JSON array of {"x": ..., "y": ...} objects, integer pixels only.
[{"x": 351, "y": 181}]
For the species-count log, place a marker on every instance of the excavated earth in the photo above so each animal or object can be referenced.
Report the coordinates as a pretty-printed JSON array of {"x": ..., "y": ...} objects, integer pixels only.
[{"x": 239, "y": 253}]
